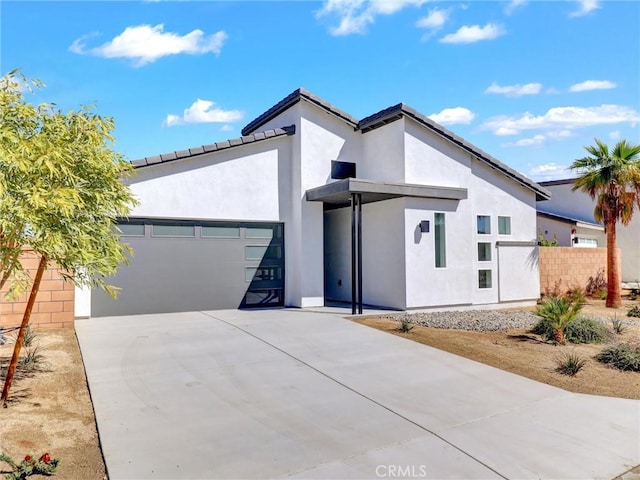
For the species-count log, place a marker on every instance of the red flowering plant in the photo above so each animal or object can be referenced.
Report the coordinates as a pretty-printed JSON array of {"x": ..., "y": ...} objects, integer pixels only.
[{"x": 45, "y": 465}]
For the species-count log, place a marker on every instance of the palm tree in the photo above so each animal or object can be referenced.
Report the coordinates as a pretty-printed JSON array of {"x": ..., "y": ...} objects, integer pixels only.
[
  {"x": 560, "y": 312},
  {"x": 612, "y": 178}
]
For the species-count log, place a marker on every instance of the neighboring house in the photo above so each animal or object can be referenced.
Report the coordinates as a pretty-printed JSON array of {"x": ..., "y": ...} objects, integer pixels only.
[
  {"x": 570, "y": 232},
  {"x": 312, "y": 204},
  {"x": 576, "y": 208}
]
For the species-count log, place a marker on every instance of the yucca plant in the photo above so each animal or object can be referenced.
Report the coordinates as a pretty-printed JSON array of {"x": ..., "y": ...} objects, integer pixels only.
[{"x": 559, "y": 311}]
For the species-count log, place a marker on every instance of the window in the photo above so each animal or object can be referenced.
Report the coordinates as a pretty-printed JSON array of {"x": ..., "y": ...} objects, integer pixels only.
[
  {"x": 259, "y": 274},
  {"x": 174, "y": 231},
  {"x": 260, "y": 252},
  {"x": 484, "y": 278},
  {"x": 257, "y": 232},
  {"x": 440, "y": 240},
  {"x": 586, "y": 242},
  {"x": 484, "y": 252},
  {"x": 504, "y": 225},
  {"x": 220, "y": 232},
  {"x": 131, "y": 229},
  {"x": 484, "y": 224}
]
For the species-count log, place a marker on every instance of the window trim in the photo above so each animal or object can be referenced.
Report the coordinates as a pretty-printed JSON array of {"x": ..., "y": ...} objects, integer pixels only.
[
  {"x": 440, "y": 240},
  {"x": 507, "y": 217},
  {"x": 478, "y": 232},
  {"x": 490, "y": 252},
  {"x": 490, "y": 270}
]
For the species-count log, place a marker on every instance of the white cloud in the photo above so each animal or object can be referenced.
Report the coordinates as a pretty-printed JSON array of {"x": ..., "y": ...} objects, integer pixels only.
[
  {"x": 436, "y": 19},
  {"x": 514, "y": 5},
  {"x": 560, "y": 134},
  {"x": 202, "y": 111},
  {"x": 615, "y": 135},
  {"x": 474, "y": 33},
  {"x": 227, "y": 128},
  {"x": 592, "y": 85},
  {"x": 145, "y": 44},
  {"x": 566, "y": 118},
  {"x": 452, "y": 116},
  {"x": 515, "y": 90},
  {"x": 433, "y": 22},
  {"x": 548, "y": 171},
  {"x": 355, "y": 15},
  {"x": 528, "y": 142},
  {"x": 585, "y": 7}
]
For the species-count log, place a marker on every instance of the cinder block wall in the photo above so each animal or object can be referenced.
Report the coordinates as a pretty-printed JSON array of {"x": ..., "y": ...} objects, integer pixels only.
[
  {"x": 54, "y": 302},
  {"x": 572, "y": 266}
]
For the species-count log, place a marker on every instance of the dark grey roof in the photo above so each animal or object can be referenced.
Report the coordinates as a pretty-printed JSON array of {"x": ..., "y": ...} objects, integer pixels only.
[
  {"x": 396, "y": 112},
  {"x": 564, "y": 218},
  {"x": 291, "y": 100},
  {"x": 338, "y": 194},
  {"x": 564, "y": 181},
  {"x": 214, "y": 147}
]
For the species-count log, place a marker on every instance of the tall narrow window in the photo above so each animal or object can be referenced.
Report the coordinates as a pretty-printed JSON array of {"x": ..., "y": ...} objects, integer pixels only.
[
  {"x": 504, "y": 225},
  {"x": 440, "y": 241}
]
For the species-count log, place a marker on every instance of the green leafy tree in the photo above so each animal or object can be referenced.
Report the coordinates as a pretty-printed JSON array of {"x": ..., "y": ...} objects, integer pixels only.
[
  {"x": 61, "y": 191},
  {"x": 612, "y": 179}
]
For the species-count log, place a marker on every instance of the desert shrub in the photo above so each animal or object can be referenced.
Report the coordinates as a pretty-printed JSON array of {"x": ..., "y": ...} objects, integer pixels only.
[
  {"x": 597, "y": 286},
  {"x": 578, "y": 330},
  {"x": 406, "y": 325},
  {"x": 634, "y": 312},
  {"x": 570, "y": 364},
  {"x": 622, "y": 356},
  {"x": 585, "y": 330},
  {"x": 32, "y": 360},
  {"x": 576, "y": 294},
  {"x": 618, "y": 327},
  {"x": 634, "y": 294}
]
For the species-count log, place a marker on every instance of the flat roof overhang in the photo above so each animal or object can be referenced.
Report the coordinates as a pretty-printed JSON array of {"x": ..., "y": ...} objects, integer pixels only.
[{"x": 338, "y": 194}]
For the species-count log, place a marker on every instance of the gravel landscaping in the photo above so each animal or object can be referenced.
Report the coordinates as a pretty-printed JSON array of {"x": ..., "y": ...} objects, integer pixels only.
[{"x": 479, "y": 320}]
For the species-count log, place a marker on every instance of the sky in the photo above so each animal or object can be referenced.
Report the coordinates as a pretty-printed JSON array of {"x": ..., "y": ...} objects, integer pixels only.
[{"x": 529, "y": 82}]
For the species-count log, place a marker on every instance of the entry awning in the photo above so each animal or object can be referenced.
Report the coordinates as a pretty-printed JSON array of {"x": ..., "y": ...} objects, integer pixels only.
[{"x": 338, "y": 194}]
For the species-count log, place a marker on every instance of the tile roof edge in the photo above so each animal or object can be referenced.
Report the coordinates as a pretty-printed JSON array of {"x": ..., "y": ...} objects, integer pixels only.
[
  {"x": 290, "y": 100},
  {"x": 214, "y": 147}
]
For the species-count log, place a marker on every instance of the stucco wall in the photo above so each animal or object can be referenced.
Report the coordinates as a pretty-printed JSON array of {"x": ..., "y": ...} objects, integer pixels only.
[
  {"x": 569, "y": 267},
  {"x": 54, "y": 307}
]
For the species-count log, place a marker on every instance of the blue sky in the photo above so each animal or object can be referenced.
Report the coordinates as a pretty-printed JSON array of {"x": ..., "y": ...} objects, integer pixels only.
[{"x": 530, "y": 82}]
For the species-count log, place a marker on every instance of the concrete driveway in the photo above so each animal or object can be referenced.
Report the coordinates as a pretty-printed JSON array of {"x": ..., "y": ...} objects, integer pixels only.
[{"x": 290, "y": 393}]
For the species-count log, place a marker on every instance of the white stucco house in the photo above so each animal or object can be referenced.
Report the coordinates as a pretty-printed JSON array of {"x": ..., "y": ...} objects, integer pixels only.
[
  {"x": 313, "y": 205},
  {"x": 569, "y": 214}
]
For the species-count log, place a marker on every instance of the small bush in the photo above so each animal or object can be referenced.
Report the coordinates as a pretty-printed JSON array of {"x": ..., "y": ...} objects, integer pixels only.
[
  {"x": 634, "y": 294},
  {"x": 31, "y": 360},
  {"x": 618, "y": 327},
  {"x": 634, "y": 312},
  {"x": 570, "y": 364},
  {"x": 406, "y": 326},
  {"x": 576, "y": 294},
  {"x": 579, "y": 330},
  {"x": 597, "y": 285},
  {"x": 622, "y": 356},
  {"x": 585, "y": 330}
]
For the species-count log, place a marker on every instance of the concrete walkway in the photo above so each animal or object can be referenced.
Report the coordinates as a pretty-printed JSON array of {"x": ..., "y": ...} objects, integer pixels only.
[{"x": 289, "y": 393}]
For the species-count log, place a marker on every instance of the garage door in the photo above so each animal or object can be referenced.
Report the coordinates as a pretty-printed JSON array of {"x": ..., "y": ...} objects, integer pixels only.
[{"x": 186, "y": 266}]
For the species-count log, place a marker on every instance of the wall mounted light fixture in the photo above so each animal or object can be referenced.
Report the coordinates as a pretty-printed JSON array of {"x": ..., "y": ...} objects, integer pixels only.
[{"x": 424, "y": 226}]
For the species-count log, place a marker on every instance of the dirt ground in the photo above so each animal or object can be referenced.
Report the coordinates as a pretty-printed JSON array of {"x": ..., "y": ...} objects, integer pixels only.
[
  {"x": 524, "y": 353},
  {"x": 50, "y": 410}
]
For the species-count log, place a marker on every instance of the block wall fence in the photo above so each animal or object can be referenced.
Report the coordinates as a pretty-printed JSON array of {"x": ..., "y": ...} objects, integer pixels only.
[
  {"x": 54, "y": 307},
  {"x": 571, "y": 266}
]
